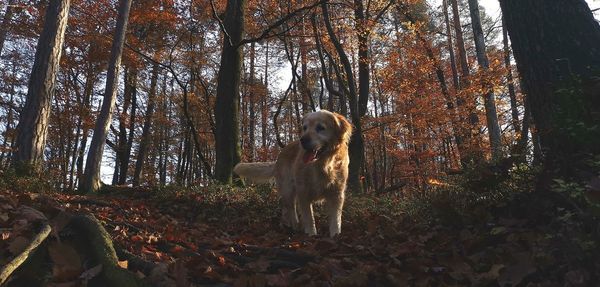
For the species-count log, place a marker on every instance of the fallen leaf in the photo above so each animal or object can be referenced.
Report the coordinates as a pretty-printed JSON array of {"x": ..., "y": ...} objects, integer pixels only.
[
  {"x": 221, "y": 260},
  {"x": 123, "y": 264},
  {"x": 137, "y": 238},
  {"x": 67, "y": 264}
]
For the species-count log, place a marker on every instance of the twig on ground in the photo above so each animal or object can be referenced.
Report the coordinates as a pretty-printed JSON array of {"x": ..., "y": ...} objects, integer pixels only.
[{"x": 9, "y": 268}]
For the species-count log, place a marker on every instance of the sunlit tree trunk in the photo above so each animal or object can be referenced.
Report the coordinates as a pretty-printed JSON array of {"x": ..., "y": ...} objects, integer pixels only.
[
  {"x": 489, "y": 100},
  {"x": 356, "y": 147},
  {"x": 33, "y": 121},
  {"x": 560, "y": 78},
  {"x": 91, "y": 180},
  {"x": 228, "y": 92}
]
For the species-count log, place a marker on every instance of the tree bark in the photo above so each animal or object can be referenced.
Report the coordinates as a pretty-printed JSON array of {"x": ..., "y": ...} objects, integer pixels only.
[
  {"x": 460, "y": 43},
  {"x": 489, "y": 100},
  {"x": 455, "y": 81},
  {"x": 125, "y": 137},
  {"x": 228, "y": 151},
  {"x": 145, "y": 139},
  {"x": 514, "y": 109},
  {"x": 556, "y": 44},
  {"x": 91, "y": 180},
  {"x": 252, "y": 106},
  {"x": 466, "y": 133},
  {"x": 8, "y": 14},
  {"x": 33, "y": 121},
  {"x": 356, "y": 146}
]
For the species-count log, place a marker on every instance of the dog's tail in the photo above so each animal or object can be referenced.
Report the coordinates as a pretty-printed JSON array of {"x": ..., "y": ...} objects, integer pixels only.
[{"x": 257, "y": 172}]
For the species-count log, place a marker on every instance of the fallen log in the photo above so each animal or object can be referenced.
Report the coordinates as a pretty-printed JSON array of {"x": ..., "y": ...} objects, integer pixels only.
[{"x": 103, "y": 251}]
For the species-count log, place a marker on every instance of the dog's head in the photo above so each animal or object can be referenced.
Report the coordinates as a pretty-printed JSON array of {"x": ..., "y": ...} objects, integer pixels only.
[{"x": 323, "y": 131}]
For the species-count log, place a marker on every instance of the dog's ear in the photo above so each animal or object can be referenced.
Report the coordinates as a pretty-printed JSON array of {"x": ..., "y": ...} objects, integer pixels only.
[{"x": 345, "y": 127}]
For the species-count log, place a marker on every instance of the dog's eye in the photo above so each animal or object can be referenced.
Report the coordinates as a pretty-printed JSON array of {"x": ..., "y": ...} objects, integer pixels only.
[{"x": 320, "y": 128}]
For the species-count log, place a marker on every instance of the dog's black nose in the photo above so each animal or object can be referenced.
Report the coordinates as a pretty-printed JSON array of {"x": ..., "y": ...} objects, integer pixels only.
[{"x": 306, "y": 143}]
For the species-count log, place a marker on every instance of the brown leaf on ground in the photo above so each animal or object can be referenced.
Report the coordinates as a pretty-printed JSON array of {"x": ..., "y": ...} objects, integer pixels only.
[{"x": 67, "y": 263}]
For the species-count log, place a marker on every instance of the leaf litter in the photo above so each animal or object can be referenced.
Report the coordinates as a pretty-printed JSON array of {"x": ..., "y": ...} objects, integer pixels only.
[{"x": 229, "y": 239}]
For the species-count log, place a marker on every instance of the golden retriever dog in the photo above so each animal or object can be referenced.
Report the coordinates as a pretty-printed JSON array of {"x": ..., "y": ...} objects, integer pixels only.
[{"x": 309, "y": 170}]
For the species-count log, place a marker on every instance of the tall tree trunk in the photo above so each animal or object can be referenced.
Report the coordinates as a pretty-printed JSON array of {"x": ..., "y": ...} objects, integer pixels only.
[
  {"x": 145, "y": 139},
  {"x": 561, "y": 78},
  {"x": 88, "y": 90},
  {"x": 460, "y": 43},
  {"x": 228, "y": 92},
  {"x": 452, "y": 113},
  {"x": 455, "y": 81},
  {"x": 33, "y": 121},
  {"x": 264, "y": 107},
  {"x": 514, "y": 109},
  {"x": 8, "y": 14},
  {"x": 91, "y": 181},
  {"x": 463, "y": 107},
  {"x": 489, "y": 100},
  {"x": 252, "y": 105},
  {"x": 126, "y": 138},
  {"x": 356, "y": 147}
]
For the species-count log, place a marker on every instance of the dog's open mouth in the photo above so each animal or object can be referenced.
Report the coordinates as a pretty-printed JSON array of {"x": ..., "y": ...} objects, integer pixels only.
[{"x": 312, "y": 155}]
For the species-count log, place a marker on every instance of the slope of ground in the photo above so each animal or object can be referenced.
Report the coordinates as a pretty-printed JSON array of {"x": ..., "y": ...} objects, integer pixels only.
[{"x": 224, "y": 236}]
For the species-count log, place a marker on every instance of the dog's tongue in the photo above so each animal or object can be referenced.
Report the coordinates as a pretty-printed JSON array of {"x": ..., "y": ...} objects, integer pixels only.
[{"x": 310, "y": 156}]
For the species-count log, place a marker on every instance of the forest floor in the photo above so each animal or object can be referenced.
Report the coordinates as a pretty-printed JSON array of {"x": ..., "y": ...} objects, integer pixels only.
[{"x": 225, "y": 236}]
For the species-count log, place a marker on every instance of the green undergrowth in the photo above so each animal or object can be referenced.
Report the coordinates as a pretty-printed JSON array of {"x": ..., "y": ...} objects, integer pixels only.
[
  {"x": 475, "y": 197},
  {"x": 456, "y": 201}
]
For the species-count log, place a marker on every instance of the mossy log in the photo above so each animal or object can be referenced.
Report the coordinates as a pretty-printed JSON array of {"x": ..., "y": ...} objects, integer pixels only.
[{"x": 102, "y": 250}]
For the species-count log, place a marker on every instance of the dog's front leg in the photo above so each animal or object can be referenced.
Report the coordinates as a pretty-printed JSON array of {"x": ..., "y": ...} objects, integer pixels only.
[
  {"x": 306, "y": 214},
  {"x": 333, "y": 207},
  {"x": 289, "y": 216}
]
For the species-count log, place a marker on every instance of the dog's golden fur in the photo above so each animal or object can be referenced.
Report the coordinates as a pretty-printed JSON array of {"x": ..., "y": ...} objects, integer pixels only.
[{"x": 311, "y": 169}]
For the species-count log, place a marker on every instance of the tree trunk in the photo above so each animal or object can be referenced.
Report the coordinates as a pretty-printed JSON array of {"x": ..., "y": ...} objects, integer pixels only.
[
  {"x": 8, "y": 14},
  {"x": 91, "y": 179},
  {"x": 33, "y": 121},
  {"x": 466, "y": 133},
  {"x": 514, "y": 109},
  {"x": 252, "y": 106},
  {"x": 455, "y": 81},
  {"x": 228, "y": 93},
  {"x": 488, "y": 99},
  {"x": 145, "y": 139},
  {"x": 264, "y": 114},
  {"x": 460, "y": 44},
  {"x": 558, "y": 77},
  {"x": 356, "y": 146},
  {"x": 125, "y": 138}
]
